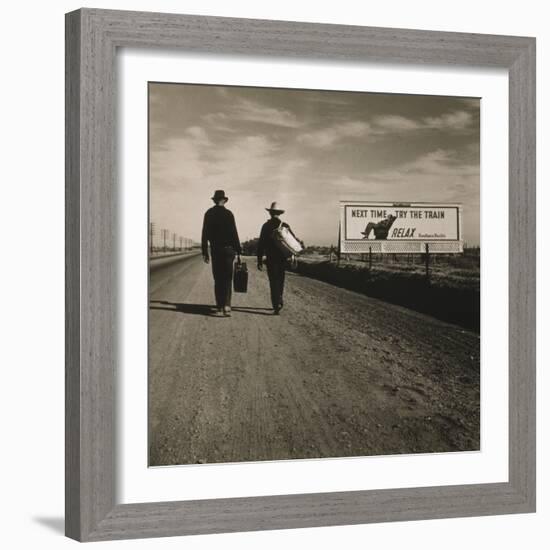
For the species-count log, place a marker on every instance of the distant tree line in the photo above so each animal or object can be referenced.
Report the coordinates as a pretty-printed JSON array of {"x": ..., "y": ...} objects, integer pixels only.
[{"x": 250, "y": 247}]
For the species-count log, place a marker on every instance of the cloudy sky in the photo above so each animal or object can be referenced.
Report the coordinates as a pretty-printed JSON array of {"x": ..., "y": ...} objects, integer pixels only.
[{"x": 306, "y": 150}]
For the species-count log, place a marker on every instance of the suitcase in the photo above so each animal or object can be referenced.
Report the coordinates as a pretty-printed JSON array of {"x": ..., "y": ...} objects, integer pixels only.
[
  {"x": 240, "y": 277},
  {"x": 285, "y": 242}
]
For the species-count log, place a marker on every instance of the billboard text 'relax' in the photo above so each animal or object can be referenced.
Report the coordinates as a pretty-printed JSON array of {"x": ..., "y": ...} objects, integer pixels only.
[{"x": 400, "y": 227}]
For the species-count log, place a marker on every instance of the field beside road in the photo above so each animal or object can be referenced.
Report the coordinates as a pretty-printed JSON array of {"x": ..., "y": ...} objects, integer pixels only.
[
  {"x": 338, "y": 373},
  {"x": 452, "y": 294}
]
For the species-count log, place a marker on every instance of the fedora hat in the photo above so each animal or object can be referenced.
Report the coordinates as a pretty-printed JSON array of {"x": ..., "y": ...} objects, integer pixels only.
[
  {"x": 274, "y": 210},
  {"x": 219, "y": 194}
]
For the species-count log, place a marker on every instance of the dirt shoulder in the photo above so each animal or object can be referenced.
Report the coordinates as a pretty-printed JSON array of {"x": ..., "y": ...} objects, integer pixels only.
[{"x": 337, "y": 374}]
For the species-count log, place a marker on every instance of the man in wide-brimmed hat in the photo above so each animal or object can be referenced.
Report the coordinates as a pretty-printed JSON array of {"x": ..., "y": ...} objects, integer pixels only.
[
  {"x": 275, "y": 261},
  {"x": 219, "y": 229}
]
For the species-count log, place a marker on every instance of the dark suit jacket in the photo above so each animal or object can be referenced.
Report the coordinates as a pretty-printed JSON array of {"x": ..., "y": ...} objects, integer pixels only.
[{"x": 219, "y": 229}]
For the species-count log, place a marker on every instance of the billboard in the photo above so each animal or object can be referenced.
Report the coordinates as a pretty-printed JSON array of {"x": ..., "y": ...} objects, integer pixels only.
[{"x": 399, "y": 227}]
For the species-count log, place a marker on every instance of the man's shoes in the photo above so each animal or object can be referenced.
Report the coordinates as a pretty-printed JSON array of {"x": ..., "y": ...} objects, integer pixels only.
[
  {"x": 276, "y": 310},
  {"x": 227, "y": 311},
  {"x": 280, "y": 306},
  {"x": 218, "y": 312}
]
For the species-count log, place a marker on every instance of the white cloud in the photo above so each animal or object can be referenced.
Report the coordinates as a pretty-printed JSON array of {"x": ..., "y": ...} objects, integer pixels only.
[
  {"x": 435, "y": 176},
  {"x": 457, "y": 120},
  {"x": 382, "y": 126},
  {"x": 349, "y": 183},
  {"x": 256, "y": 112},
  {"x": 198, "y": 136},
  {"x": 387, "y": 124},
  {"x": 252, "y": 169},
  {"x": 395, "y": 123},
  {"x": 327, "y": 137},
  {"x": 472, "y": 102},
  {"x": 440, "y": 163},
  {"x": 251, "y": 111}
]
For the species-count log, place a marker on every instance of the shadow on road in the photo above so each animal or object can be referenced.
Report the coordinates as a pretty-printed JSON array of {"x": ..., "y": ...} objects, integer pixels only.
[
  {"x": 191, "y": 309},
  {"x": 203, "y": 309},
  {"x": 254, "y": 310}
]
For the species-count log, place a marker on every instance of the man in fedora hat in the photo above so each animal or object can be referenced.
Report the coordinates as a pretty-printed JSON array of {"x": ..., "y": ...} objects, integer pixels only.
[
  {"x": 275, "y": 260},
  {"x": 220, "y": 231}
]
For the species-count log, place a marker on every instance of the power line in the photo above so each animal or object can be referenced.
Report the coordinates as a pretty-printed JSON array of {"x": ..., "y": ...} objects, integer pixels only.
[{"x": 166, "y": 235}]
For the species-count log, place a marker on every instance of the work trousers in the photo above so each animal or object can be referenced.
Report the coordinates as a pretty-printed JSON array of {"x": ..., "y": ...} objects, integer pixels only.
[
  {"x": 276, "y": 268},
  {"x": 222, "y": 270}
]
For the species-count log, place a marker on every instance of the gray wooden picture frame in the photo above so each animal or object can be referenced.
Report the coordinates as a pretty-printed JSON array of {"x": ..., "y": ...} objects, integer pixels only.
[{"x": 92, "y": 39}]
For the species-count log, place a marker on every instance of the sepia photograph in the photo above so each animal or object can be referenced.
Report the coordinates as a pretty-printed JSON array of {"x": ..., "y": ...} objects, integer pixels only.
[{"x": 314, "y": 274}]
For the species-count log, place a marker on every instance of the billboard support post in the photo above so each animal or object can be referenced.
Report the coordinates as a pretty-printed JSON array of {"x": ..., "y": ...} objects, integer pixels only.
[
  {"x": 427, "y": 263},
  {"x": 339, "y": 251},
  {"x": 370, "y": 258}
]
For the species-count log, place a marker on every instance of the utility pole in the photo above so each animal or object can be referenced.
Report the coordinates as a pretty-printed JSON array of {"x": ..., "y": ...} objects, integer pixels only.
[
  {"x": 173, "y": 242},
  {"x": 164, "y": 235},
  {"x": 427, "y": 264},
  {"x": 151, "y": 235},
  {"x": 181, "y": 245}
]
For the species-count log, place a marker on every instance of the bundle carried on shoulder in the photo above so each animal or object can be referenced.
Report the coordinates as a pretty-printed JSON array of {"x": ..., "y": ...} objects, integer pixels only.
[{"x": 285, "y": 241}]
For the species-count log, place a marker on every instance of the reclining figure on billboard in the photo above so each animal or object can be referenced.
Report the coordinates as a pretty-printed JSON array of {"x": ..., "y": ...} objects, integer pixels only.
[{"x": 381, "y": 229}]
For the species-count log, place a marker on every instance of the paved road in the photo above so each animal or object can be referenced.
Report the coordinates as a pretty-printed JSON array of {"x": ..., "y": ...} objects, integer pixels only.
[{"x": 337, "y": 374}]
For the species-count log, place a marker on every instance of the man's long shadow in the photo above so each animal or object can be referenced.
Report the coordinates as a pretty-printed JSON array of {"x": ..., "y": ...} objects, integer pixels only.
[{"x": 204, "y": 309}]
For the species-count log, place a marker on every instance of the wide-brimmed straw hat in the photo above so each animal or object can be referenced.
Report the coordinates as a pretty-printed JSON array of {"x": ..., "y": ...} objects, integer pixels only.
[
  {"x": 274, "y": 210},
  {"x": 219, "y": 194}
]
